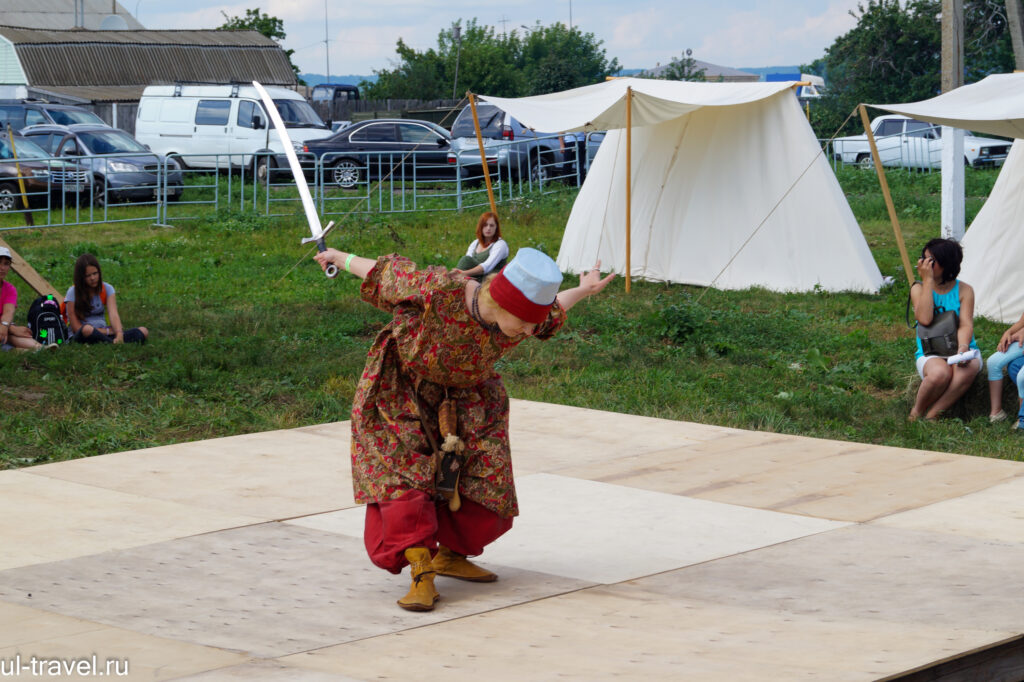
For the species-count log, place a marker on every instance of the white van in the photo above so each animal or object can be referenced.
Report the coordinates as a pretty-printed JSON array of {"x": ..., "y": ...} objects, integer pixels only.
[{"x": 223, "y": 126}]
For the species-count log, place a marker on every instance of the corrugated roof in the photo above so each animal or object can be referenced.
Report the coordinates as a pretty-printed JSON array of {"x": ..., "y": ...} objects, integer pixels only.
[
  {"x": 88, "y": 59},
  {"x": 57, "y": 14},
  {"x": 19, "y": 36}
]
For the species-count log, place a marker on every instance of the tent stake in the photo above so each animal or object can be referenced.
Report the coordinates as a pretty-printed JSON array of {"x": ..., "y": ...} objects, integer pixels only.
[
  {"x": 629, "y": 181},
  {"x": 885, "y": 193},
  {"x": 483, "y": 156}
]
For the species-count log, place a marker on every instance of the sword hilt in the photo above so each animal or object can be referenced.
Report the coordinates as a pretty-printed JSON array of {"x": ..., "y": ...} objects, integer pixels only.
[{"x": 331, "y": 270}]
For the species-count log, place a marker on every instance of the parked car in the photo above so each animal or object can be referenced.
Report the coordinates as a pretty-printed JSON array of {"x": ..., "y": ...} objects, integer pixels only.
[
  {"x": 220, "y": 126},
  {"x": 512, "y": 150},
  {"x": 906, "y": 142},
  {"x": 372, "y": 149},
  {"x": 122, "y": 169},
  {"x": 329, "y": 92},
  {"x": 45, "y": 180},
  {"x": 21, "y": 113}
]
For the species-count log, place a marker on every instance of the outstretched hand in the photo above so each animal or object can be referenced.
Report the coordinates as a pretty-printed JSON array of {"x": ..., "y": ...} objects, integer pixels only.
[{"x": 592, "y": 282}]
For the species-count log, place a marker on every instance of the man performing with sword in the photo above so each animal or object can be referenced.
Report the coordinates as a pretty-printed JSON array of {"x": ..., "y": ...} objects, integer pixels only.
[{"x": 430, "y": 444}]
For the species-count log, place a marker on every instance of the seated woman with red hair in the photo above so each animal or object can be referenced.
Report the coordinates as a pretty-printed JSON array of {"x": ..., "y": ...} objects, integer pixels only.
[{"x": 488, "y": 252}]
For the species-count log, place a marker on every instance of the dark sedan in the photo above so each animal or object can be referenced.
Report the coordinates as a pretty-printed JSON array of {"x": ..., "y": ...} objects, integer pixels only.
[
  {"x": 400, "y": 149},
  {"x": 122, "y": 168},
  {"x": 46, "y": 182}
]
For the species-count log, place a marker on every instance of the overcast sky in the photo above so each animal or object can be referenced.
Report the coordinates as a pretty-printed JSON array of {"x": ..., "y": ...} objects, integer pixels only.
[{"x": 362, "y": 34}]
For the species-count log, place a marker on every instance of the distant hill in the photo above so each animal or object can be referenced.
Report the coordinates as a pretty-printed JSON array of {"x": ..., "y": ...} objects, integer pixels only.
[{"x": 317, "y": 78}]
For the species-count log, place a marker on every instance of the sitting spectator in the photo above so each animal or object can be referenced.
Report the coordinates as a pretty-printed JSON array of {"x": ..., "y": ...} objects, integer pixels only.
[
  {"x": 1013, "y": 370},
  {"x": 942, "y": 384},
  {"x": 90, "y": 301},
  {"x": 10, "y": 333},
  {"x": 488, "y": 252},
  {"x": 1011, "y": 347}
]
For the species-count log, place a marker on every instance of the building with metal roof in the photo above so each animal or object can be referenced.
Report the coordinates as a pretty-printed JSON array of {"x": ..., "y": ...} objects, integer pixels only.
[
  {"x": 80, "y": 66},
  {"x": 61, "y": 14}
]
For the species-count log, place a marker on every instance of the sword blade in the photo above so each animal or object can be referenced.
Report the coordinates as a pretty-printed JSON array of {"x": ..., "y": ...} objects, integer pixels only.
[
  {"x": 300, "y": 177},
  {"x": 293, "y": 159}
]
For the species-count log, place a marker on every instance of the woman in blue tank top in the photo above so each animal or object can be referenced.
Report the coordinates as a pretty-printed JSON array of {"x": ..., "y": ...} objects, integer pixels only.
[{"x": 942, "y": 384}]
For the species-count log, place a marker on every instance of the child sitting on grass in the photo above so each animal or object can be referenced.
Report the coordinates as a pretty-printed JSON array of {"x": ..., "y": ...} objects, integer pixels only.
[{"x": 90, "y": 301}]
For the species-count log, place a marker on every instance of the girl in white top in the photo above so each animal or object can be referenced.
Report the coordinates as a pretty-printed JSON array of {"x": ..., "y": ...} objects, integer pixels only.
[{"x": 488, "y": 252}]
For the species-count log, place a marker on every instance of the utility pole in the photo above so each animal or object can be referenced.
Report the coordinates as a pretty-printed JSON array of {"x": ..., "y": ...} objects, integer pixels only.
[
  {"x": 953, "y": 220},
  {"x": 457, "y": 35},
  {"x": 1015, "y": 17},
  {"x": 327, "y": 45}
]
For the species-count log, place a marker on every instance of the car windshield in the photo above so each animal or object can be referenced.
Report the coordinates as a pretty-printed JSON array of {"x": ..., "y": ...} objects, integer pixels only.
[
  {"x": 110, "y": 142},
  {"x": 490, "y": 122},
  {"x": 298, "y": 114},
  {"x": 25, "y": 149},
  {"x": 66, "y": 117}
]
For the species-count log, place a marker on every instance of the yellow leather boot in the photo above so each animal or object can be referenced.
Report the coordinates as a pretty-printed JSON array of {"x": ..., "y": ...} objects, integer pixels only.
[
  {"x": 422, "y": 594},
  {"x": 455, "y": 565}
]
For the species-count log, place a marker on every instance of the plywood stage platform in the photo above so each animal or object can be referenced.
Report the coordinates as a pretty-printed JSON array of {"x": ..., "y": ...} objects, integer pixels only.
[{"x": 646, "y": 549}]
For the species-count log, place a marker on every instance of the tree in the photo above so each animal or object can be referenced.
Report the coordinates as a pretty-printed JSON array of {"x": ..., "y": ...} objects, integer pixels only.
[
  {"x": 682, "y": 69},
  {"x": 271, "y": 27},
  {"x": 545, "y": 59},
  {"x": 893, "y": 55},
  {"x": 556, "y": 58}
]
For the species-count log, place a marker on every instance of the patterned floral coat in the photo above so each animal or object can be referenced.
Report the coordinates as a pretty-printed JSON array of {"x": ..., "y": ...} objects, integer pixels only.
[{"x": 433, "y": 343}]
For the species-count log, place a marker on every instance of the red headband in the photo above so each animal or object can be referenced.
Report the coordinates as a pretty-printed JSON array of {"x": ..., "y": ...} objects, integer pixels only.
[{"x": 512, "y": 300}]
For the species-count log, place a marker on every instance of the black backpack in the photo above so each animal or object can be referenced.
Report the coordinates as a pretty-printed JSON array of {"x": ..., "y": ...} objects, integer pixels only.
[{"x": 45, "y": 321}]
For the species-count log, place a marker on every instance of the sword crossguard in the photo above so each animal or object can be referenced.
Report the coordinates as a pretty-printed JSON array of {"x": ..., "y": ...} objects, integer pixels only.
[{"x": 331, "y": 270}]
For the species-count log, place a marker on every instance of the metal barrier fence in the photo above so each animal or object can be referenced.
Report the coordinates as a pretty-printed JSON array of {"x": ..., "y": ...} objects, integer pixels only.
[
  {"x": 919, "y": 149},
  {"x": 914, "y": 151},
  {"x": 99, "y": 189}
]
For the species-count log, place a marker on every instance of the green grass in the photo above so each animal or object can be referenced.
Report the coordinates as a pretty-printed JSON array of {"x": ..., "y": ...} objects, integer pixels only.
[{"x": 241, "y": 342}]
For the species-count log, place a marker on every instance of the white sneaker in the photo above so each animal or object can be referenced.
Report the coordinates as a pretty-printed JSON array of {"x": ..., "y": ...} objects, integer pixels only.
[{"x": 997, "y": 417}]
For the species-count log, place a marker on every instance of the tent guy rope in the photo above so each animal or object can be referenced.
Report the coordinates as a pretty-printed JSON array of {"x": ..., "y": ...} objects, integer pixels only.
[{"x": 776, "y": 206}]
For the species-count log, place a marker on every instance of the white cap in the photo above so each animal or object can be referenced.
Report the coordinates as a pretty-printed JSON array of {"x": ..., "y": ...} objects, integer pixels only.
[{"x": 4, "y": 251}]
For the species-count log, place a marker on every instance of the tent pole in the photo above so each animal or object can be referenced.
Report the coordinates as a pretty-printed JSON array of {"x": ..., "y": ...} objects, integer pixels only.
[
  {"x": 483, "y": 156},
  {"x": 629, "y": 182},
  {"x": 885, "y": 193}
]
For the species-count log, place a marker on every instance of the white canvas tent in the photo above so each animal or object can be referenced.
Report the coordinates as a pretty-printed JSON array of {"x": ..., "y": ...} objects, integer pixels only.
[
  {"x": 728, "y": 187},
  {"x": 993, "y": 248}
]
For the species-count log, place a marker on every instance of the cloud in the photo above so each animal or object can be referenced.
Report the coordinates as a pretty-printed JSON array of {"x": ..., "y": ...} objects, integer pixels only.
[
  {"x": 634, "y": 30},
  {"x": 765, "y": 38}
]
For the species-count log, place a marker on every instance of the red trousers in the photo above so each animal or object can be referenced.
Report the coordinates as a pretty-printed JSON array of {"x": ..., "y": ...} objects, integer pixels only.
[{"x": 416, "y": 520}]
